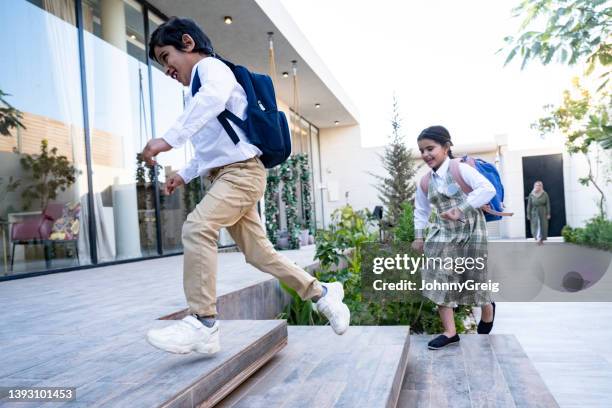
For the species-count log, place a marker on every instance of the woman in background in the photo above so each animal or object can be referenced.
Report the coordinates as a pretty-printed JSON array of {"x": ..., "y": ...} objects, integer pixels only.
[{"x": 538, "y": 212}]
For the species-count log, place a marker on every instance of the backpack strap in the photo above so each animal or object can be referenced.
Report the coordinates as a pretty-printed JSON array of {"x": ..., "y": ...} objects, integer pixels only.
[
  {"x": 425, "y": 182},
  {"x": 456, "y": 174},
  {"x": 225, "y": 116},
  {"x": 487, "y": 208}
]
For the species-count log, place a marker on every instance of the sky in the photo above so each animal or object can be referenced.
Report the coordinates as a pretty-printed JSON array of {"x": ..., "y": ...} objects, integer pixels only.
[{"x": 439, "y": 58}]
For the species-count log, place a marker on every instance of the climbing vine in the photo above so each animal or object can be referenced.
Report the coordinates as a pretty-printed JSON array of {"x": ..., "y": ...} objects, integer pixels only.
[
  {"x": 304, "y": 170},
  {"x": 288, "y": 174},
  {"x": 271, "y": 201}
]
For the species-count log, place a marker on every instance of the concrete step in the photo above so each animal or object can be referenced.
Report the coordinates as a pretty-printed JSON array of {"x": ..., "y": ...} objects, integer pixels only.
[
  {"x": 125, "y": 371},
  {"x": 362, "y": 368},
  {"x": 480, "y": 371}
]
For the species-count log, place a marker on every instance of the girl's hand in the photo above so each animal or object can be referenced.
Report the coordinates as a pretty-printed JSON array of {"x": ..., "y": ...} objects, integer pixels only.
[
  {"x": 453, "y": 214},
  {"x": 417, "y": 245}
]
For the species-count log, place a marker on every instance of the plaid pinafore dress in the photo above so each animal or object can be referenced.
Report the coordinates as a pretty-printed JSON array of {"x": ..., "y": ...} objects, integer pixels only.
[{"x": 454, "y": 239}]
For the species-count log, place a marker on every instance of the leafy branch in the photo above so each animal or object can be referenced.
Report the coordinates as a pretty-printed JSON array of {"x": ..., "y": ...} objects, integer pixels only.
[
  {"x": 574, "y": 31},
  {"x": 9, "y": 116}
]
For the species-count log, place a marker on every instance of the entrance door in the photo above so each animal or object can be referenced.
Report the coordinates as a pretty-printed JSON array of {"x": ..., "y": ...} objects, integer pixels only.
[{"x": 548, "y": 169}]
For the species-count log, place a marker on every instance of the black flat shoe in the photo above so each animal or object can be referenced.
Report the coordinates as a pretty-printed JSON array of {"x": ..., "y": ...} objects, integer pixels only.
[
  {"x": 442, "y": 341},
  {"x": 484, "y": 327}
]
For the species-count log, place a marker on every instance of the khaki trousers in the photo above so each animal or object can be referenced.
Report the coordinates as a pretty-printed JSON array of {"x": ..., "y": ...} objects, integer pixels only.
[{"x": 231, "y": 202}]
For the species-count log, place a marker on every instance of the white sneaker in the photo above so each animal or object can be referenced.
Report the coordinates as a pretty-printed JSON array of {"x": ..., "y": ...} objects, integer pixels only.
[
  {"x": 331, "y": 306},
  {"x": 185, "y": 336}
]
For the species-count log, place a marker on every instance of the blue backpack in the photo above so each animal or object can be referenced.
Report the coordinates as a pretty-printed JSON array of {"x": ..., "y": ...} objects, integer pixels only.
[
  {"x": 265, "y": 126},
  {"x": 495, "y": 209}
]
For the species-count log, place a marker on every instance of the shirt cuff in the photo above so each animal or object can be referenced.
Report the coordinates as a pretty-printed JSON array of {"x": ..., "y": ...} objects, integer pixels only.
[
  {"x": 173, "y": 138},
  {"x": 418, "y": 233},
  {"x": 185, "y": 175}
]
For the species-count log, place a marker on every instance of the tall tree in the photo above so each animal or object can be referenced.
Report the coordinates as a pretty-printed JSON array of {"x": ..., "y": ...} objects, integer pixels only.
[{"x": 397, "y": 187}]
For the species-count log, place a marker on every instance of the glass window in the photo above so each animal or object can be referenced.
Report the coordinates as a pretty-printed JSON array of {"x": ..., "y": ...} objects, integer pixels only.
[
  {"x": 43, "y": 224},
  {"x": 118, "y": 22},
  {"x": 168, "y": 105},
  {"x": 119, "y": 118},
  {"x": 316, "y": 177},
  {"x": 154, "y": 22},
  {"x": 134, "y": 25}
]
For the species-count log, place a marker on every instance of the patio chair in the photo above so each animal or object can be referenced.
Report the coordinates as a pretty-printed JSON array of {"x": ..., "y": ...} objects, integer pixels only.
[{"x": 36, "y": 230}]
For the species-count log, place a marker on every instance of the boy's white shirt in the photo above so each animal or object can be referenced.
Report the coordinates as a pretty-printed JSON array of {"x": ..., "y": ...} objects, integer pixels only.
[
  {"x": 482, "y": 192},
  {"x": 198, "y": 123}
]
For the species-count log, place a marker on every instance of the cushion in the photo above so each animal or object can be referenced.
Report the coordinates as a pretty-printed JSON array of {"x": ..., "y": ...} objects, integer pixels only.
[{"x": 67, "y": 226}]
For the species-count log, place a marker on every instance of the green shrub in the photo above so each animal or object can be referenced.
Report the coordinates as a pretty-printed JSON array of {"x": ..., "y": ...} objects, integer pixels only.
[
  {"x": 568, "y": 233},
  {"x": 596, "y": 233},
  {"x": 299, "y": 312}
]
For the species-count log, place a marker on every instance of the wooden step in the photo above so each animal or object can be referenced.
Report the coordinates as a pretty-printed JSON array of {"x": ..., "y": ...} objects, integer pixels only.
[
  {"x": 480, "y": 371},
  {"x": 125, "y": 371},
  {"x": 362, "y": 368}
]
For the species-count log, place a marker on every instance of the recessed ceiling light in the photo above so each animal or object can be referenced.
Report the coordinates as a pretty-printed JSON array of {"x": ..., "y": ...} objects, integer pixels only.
[
  {"x": 133, "y": 37},
  {"x": 285, "y": 74},
  {"x": 317, "y": 105},
  {"x": 228, "y": 20},
  {"x": 336, "y": 123}
]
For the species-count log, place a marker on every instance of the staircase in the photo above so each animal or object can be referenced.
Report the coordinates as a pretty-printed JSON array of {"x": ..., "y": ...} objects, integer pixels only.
[{"x": 86, "y": 330}]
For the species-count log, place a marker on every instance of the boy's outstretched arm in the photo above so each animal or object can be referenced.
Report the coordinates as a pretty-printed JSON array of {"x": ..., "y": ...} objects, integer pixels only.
[{"x": 153, "y": 148}]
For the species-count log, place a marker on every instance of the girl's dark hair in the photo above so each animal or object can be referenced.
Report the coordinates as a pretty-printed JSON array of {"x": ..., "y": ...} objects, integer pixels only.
[
  {"x": 438, "y": 134},
  {"x": 171, "y": 33}
]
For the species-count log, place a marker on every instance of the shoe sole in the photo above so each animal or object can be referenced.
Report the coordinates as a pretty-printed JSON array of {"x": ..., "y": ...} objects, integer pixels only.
[
  {"x": 340, "y": 332},
  {"x": 206, "y": 348},
  {"x": 438, "y": 348}
]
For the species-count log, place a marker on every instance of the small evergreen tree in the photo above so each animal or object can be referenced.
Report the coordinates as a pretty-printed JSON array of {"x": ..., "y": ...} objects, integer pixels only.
[{"x": 397, "y": 187}]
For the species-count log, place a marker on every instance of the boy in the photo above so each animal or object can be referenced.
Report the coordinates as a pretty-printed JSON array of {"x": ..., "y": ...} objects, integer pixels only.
[{"x": 238, "y": 181}]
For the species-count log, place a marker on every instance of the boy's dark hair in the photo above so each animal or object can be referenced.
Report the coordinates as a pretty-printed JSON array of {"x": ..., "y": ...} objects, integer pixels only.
[
  {"x": 438, "y": 134},
  {"x": 171, "y": 33}
]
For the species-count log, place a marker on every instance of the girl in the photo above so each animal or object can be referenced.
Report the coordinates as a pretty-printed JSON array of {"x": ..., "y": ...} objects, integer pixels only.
[
  {"x": 538, "y": 212},
  {"x": 459, "y": 231}
]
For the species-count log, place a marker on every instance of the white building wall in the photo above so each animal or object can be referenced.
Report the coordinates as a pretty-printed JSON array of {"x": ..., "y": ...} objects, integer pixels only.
[
  {"x": 582, "y": 202},
  {"x": 345, "y": 170}
]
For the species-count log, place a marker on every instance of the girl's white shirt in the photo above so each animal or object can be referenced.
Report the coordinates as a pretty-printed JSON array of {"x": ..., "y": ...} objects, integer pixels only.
[{"x": 482, "y": 192}]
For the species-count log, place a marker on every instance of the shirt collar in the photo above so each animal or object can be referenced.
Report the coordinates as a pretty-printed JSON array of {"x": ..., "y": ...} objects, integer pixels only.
[
  {"x": 194, "y": 70},
  {"x": 441, "y": 172}
]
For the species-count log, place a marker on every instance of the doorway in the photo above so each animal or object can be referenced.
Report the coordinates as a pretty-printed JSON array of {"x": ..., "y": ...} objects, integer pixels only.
[{"x": 549, "y": 169}]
